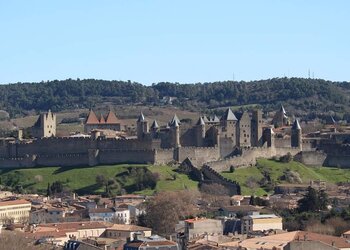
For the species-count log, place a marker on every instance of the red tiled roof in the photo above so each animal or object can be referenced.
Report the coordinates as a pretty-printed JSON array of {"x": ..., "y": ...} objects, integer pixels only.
[
  {"x": 101, "y": 210},
  {"x": 102, "y": 119},
  {"x": 78, "y": 225},
  {"x": 128, "y": 228},
  {"x": 111, "y": 118},
  {"x": 14, "y": 202},
  {"x": 92, "y": 119},
  {"x": 327, "y": 239},
  {"x": 159, "y": 243}
]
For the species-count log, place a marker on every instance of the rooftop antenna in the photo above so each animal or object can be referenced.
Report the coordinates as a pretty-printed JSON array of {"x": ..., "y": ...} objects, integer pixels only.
[
  {"x": 313, "y": 74},
  {"x": 309, "y": 73}
]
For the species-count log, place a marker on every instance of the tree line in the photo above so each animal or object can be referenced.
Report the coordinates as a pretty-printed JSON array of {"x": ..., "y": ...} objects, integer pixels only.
[{"x": 301, "y": 94}]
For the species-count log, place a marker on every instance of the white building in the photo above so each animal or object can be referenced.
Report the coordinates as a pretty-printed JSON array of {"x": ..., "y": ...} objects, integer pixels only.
[
  {"x": 116, "y": 215},
  {"x": 260, "y": 222},
  {"x": 14, "y": 211}
]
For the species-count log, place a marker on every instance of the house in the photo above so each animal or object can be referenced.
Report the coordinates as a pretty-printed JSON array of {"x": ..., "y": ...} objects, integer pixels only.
[
  {"x": 235, "y": 211},
  {"x": 296, "y": 240},
  {"x": 236, "y": 200},
  {"x": 102, "y": 214},
  {"x": 127, "y": 231},
  {"x": 14, "y": 211},
  {"x": 118, "y": 215},
  {"x": 260, "y": 222},
  {"x": 154, "y": 242},
  {"x": 59, "y": 233},
  {"x": 122, "y": 215},
  {"x": 202, "y": 226}
]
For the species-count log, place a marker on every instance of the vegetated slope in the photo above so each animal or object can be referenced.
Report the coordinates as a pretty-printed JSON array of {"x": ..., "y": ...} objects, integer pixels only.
[
  {"x": 298, "y": 94},
  {"x": 251, "y": 178},
  {"x": 83, "y": 179}
]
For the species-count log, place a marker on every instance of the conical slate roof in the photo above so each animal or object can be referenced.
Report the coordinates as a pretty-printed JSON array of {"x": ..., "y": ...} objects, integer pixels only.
[
  {"x": 200, "y": 122},
  {"x": 154, "y": 125},
  {"x": 229, "y": 115},
  {"x": 175, "y": 124},
  {"x": 296, "y": 125},
  {"x": 205, "y": 119},
  {"x": 92, "y": 119},
  {"x": 282, "y": 109},
  {"x": 333, "y": 121},
  {"x": 141, "y": 118},
  {"x": 175, "y": 118},
  {"x": 216, "y": 119}
]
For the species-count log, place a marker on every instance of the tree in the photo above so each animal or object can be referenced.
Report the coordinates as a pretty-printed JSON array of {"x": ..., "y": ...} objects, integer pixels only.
[
  {"x": 313, "y": 201},
  {"x": 286, "y": 158},
  {"x": 215, "y": 194},
  {"x": 48, "y": 190},
  {"x": 101, "y": 180},
  {"x": 165, "y": 209}
]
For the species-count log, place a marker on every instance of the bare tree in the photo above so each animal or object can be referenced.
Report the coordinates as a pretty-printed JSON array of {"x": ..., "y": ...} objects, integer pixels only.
[
  {"x": 11, "y": 240},
  {"x": 165, "y": 209}
]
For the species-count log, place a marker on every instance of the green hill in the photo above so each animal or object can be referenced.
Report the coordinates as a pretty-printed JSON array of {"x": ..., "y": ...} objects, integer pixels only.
[
  {"x": 83, "y": 179},
  {"x": 247, "y": 176}
]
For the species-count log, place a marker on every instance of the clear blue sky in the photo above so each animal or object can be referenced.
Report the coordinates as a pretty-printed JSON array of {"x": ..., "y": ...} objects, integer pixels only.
[{"x": 177, "y": 41}]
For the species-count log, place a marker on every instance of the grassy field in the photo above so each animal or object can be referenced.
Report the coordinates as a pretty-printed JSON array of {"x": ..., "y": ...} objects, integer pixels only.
[
  {"x": 83, "y": 179},
  {"x": 277, "y": 169}
]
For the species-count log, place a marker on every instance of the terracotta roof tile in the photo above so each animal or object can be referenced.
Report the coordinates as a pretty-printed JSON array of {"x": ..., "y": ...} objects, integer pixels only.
[
  {"x": 111, "y": 118},
  {"x": 102, "y": 119},
  {"x": 92, "y": 119},
  {"x": 128, "y": 228},
  {"x": 327, "y": 239},
  {"x": 14, "y": 202},
  {"x": 78, "y": 225}
]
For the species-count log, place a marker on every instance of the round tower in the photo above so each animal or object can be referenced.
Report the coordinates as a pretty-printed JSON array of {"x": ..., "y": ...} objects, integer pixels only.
[
  {"x": 176, "y": 133},
  {"x": 142, "y": 126},
  {"x": 296, "y": 135},
  {"x": 200, "y": 132}
]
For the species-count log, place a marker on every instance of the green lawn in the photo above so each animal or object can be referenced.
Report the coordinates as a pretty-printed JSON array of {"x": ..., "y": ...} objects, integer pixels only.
[
  {"x": 83, "y": 179},
  {"x": 276, "y": 169},
  {"x": 241, "y": 175}
]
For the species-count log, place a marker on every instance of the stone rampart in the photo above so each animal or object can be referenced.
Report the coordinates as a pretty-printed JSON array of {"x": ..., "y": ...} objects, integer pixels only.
[
  {"x": 199, "y": 155},
  {"x": 111, "y": 156},
  {"x": 164, "y": 156},
  {"x": 23, "y": 162},
  {"x": 311, "y": 158},
  {"x": 249, "y": 156},
  {"x": 213, "y": 176},
  {"x": 62, "y": 160}
]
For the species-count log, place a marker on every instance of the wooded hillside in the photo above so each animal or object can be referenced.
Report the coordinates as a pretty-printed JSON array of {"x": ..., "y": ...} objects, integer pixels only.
[{"x": 313, "y": 96}]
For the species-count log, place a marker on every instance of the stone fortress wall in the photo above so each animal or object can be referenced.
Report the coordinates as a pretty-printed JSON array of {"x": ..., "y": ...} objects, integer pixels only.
[{"x": 211, "y": 141}]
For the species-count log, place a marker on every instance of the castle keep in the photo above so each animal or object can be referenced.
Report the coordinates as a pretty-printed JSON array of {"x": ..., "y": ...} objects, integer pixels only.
[{"x": 234, "y": 139}]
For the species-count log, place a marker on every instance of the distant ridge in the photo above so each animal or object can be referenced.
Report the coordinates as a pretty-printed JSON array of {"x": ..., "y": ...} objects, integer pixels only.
[{"x": 302, "y": 95}]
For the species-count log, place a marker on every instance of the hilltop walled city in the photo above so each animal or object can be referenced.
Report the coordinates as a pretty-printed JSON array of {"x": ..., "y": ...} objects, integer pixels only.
[
  {"x": 203, "y": 151},
  {"x": 233, "y": 140}
]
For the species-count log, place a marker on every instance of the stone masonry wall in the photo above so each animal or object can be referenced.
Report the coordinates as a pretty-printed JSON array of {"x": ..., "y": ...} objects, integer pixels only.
[
  {"x": 164, "y": 156},
  {"x": 199, "y": 155},
  {"x": 249, "y": 156}
]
